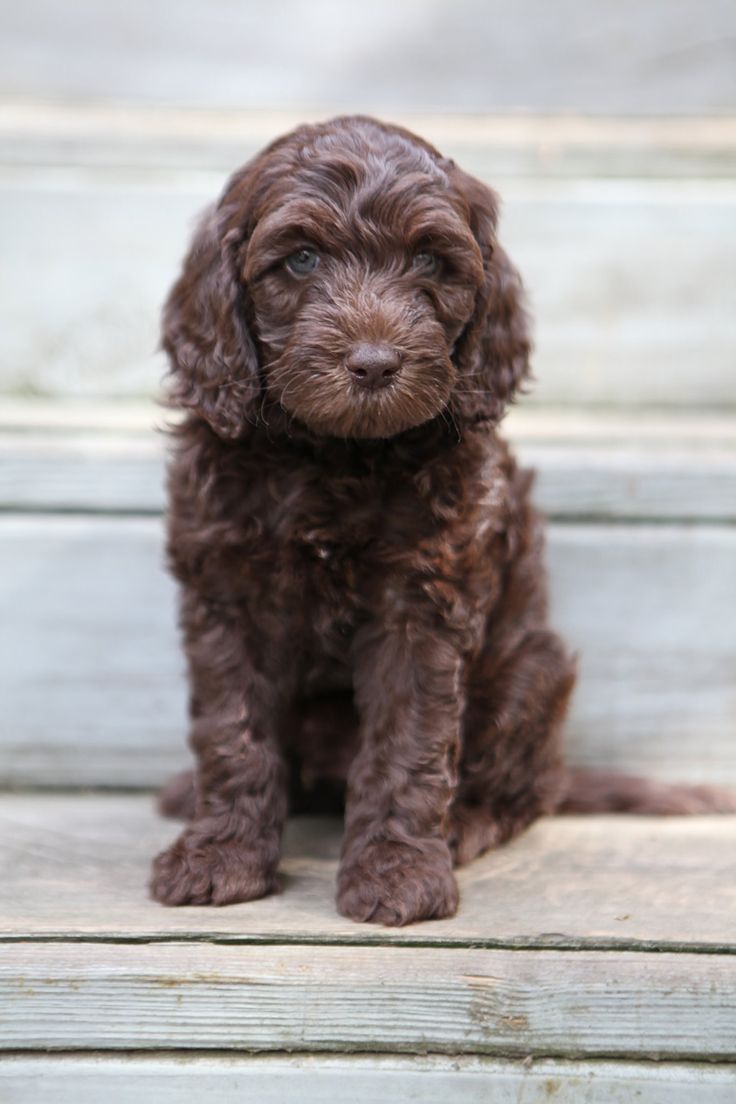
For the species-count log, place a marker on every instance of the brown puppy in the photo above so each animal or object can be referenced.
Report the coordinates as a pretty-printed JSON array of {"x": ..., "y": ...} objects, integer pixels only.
[{"x": 363, "y": 599}]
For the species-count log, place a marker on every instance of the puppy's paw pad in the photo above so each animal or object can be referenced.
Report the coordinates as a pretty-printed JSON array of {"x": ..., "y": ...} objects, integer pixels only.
[
  {"x": 196, "y": 871},
  {"x": 395, "y": 884}
]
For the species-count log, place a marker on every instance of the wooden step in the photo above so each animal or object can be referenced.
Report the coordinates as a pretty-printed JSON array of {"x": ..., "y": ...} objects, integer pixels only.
[
  {"x": 634, "y": 960},
  {"x": 101, "y": 457},
  {"x": 630, "y": 883}
]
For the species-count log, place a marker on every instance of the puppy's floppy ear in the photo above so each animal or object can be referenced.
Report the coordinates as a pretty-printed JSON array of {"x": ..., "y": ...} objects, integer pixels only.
[
  {"x": 492, "y": 353},
  {"x": 213, "y": 360}
]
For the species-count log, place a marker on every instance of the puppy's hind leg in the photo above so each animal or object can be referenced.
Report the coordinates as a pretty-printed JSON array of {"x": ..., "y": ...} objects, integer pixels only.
[
  {"x": 511, "y": 769},
  {"x": 178, "y": 798}
]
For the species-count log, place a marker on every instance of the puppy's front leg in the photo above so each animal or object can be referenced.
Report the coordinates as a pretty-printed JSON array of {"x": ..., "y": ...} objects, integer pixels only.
[
  {"x": 231, "y": 849},
  {"x": 396, "y": 866}
]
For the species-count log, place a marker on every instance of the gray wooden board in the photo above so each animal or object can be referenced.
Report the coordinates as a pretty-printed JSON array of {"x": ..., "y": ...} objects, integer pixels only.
[
  {"x": 76, "y": 867},
  {"x": 628, "y": 311},
  {"x": 525, "y": 421},
  {"x": 381, "y": 998},
  {"x": 93, "y": 134},
  {"x": 93, "y": 687},
  {"x": 95, "y": 677},
  {"x": 657, "y": 58},
  {"x": 113, "y": 472},
  {"x": 277, "y": 1079}
]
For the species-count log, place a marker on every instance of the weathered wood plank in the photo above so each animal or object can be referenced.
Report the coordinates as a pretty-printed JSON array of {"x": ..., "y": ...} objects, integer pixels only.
[
  {"x": 95, "y": 693},
  {"x": 115, "y": 135},
  {"x": 277, "y": 1079},
  {"x": 22, "y": 414},
  {"x": 612, "y": 426},
  {"x": 77, "y": 867},
  {"x": 648, "y": 611},
  {"x": 113, "y": 472},
  {"x": 101, "y": 472},
  {"x": 654, "y": 58},
  {"x": 416, "y": 999},
  {"x": 644, "y": 484},
  {"x": 607, "y": 277}
]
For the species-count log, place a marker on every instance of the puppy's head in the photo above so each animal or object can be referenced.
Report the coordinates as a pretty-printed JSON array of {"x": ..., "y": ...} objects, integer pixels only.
[{"x": 349, "y": 276}]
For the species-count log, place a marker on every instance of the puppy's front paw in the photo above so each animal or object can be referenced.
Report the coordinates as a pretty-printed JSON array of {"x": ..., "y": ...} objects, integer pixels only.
[
  {"x": 200, "y": 871},
  {"x": 394, "y": 884}
]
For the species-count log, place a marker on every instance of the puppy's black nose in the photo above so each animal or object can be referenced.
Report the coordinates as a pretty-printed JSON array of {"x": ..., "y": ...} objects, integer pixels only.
[{"x": 373, "y": 365}]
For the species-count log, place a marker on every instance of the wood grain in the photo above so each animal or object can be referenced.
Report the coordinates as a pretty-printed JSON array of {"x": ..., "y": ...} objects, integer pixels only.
[
  {"x": 76, "y": 867},
  {"x": 340, "y": 998},
  {"x": 277, "y": 1079},
  {"x": 94, "y": 694}
]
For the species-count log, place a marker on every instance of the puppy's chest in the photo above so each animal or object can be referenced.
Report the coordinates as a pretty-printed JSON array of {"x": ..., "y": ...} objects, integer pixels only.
[
  {"x": 306, "y": 523},
  {"x": 338, "y": 544},
  {"x": 340, "y": 534}
]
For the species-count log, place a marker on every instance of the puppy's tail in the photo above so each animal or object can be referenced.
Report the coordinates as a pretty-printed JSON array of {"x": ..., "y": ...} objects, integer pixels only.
[{"x": 591, "y": 790}]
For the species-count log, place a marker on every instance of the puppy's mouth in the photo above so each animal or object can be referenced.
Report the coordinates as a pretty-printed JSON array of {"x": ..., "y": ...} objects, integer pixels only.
[
  {"x": 337, "y": 403},
  {"x": 392, "y": 410}
]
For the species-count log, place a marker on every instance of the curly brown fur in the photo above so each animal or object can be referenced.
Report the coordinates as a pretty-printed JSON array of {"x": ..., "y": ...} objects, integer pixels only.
[{"x": 363, "y": 599}]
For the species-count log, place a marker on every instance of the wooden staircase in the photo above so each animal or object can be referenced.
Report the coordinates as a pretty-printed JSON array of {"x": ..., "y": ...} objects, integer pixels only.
[{"x": 594, "y": 959}]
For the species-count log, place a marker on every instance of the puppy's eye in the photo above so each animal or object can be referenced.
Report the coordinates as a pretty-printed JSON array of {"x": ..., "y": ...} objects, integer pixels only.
[
  {"x": 426, "y": 263},
  {"x": 302, "y": 262}
]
